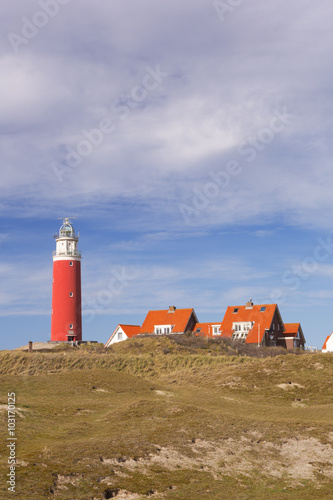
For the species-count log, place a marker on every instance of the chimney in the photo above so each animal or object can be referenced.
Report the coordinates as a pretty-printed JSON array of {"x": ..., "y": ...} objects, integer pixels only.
[
  {"x": 249, "y": 305},
  {"x": 172, "y": 309}
]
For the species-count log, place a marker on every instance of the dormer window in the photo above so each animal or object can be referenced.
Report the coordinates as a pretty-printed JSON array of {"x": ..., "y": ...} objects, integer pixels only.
[
  {"x": 262, "y": 309},
  {"x": 242, "y": 328},
  {"x": 235, "y": 310},
  {"x": 163, "y": 329},
  {"x": 216, "y": 330}
]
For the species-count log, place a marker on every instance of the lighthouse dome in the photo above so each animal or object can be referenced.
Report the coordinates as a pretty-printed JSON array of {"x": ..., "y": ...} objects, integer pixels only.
[{"x": 67, "y": 231}]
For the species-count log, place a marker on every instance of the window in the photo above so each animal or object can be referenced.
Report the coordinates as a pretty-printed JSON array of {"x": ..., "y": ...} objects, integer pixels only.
[
  {"x": 71, "y": 294},
  {"x": 235, "y": 310},
  {"x": 71, "y": 263},
  {"x": 71, "y": 326},
  {"x": 215, "y": 330},
  {"x": 198, "y": 330},
  {"x": 162, "y": 329},
  {"x": 273, "y": 326},
  {"x": 120, "y": 335},
  {"x": 262, "y": 309}
]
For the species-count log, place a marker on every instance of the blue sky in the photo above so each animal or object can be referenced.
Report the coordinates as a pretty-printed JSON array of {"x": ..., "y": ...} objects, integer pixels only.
[{"x": 192, "y": 143}]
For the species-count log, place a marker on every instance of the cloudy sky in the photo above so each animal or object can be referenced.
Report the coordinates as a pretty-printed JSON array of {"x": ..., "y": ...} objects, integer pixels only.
[{"x": 192, "y": 142}]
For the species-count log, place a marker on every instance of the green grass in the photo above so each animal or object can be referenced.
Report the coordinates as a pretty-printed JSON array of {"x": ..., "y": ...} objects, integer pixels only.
[{"x": 183, "y": 419}]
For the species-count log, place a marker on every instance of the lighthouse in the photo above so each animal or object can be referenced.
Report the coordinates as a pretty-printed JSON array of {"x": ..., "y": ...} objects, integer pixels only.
[{"x": 66, "y": 321}]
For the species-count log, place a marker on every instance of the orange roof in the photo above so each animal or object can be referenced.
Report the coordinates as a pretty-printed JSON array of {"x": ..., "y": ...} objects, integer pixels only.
[
  {"x": 328, "y": 336},
  {"x": 291, "y": 329},
  {"x": 259, "y": 314},
  {"x": 179, "y": 319},
  {"x": 130, "y": 330},
  {"x": 206, "y": 329}
]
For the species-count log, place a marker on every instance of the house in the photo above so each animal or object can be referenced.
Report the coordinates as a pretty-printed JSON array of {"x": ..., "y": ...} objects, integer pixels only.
[
  {"x": 207, "y": 329},
  {"x": 170, "y": 320},
  {"x": 292, "y": 337},
  {"x": 122, "y": 332},
  {"x": 253, "y": 324},
  {"x": 328, "y": 344},
  {"x": 162, "y": 322}
]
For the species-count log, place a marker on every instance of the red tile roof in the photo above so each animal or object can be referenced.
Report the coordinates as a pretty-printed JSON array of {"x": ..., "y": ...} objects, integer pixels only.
[
  {"x": 179, "y": 319},
  {"x": 328, "y": 336},
  {"x": 254, "y": 314},
  {"x": 291, "y": 329},
  {"x": 130, "y": 330},
  {"x": 206, "y": 329}
]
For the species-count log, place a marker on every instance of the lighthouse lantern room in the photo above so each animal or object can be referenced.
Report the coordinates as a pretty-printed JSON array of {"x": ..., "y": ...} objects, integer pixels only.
[{"x": 66, "y": 321}]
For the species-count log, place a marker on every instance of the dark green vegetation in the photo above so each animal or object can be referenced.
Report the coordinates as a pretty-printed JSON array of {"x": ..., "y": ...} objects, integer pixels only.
[{"x": 166, "y": 418}]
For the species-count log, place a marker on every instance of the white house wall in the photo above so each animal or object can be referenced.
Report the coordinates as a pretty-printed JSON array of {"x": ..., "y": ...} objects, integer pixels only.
[
  {"x": 329, "y": 345},
  {"x": 115, "y": 338}
]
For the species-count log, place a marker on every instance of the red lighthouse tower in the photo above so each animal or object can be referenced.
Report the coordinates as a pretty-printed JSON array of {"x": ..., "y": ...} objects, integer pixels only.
[{"x": 66, "y": 322}]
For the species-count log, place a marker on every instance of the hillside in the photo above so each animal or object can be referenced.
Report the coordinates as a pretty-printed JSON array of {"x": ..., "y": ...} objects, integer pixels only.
[{"x": 160, "y": 418}]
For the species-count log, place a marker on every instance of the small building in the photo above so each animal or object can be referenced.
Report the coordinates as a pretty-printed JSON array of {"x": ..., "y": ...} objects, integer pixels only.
[
  {"x": 328, "y": 344},
  {"x": 292, "y": 337},
  {"x": 207, "y": 329},
  {"x": 122, "y": 332},
  {"x": 169, "y": 321},
  {"x": 253, "y": 324}
]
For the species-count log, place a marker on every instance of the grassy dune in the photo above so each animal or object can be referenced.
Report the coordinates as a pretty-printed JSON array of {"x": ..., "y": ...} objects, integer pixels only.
[{"x": 160, "y": 418}]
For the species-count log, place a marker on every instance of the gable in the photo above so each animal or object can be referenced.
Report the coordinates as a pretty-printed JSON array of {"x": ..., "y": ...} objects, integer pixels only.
[
  {"x": 125, "y": 331},
  {"x": 328, "y": 344}
]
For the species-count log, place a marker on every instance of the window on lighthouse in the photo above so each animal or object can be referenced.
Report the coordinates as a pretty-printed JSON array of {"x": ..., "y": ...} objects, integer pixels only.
[
  {"x": 71, "y": 294},
  {"x": 71, "y": 263}
]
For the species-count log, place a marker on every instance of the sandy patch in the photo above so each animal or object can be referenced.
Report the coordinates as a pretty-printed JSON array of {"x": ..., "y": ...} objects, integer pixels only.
[
  {"x": 290, "y": 385},
  {"x": 22, "y": 463},
  {"x": 298, "y": 404},
  {"x": 299, "y": 459},
  {"x": 164, "y": 393},
  {"x": 18, "y": 411},
  {"x": 83, "y": 412}
]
